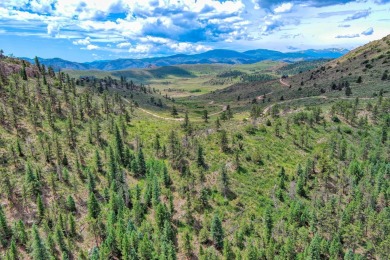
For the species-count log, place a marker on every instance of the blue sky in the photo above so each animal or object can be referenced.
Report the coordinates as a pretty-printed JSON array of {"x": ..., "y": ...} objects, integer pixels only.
[{"x": 86, "y": 30}]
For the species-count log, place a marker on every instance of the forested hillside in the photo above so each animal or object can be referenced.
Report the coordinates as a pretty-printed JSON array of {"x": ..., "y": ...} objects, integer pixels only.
[{"x": 86, "y": 174}]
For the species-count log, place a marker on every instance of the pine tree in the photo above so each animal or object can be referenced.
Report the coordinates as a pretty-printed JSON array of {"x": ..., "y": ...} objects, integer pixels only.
[
  {"x": 91, "y": 183},
  {"x": 187, "y": 244},
  {"x": 60, "y": 238},
  {"x": 141, "y": 163},
  {"x": 300, "y": 186},
  {"x": 23, "y": 72},
  {"x": 120, "y": 152},
  {"x": 13, "y": 253},
  {"x": 187, "y": 125},
  {"x": 5, "y": 231},
  {"x": 70, "y": 204},
  {"x": 40, "y": 208},
  {"x": 174, "y": 112},
  {"x": 19, "y": 148},
  {"x": 268, "y": 222},
  {"x": 97, "y": 162},
  {"x": 227, "y": 251},
  {"x": 157, "y": 145},
  {"x": 282, "y": 178},
  {"x": 314, "y": 252},
  {"x": 20, "y": 233},
  {"x": 224, "y": 180},
  {"x": 200, "y": 158},
  {"x": 205, "y": 116},
  {"x": 224, "y": 142},
  {"x": 217, "y": 124},
  {"x": 384, "y": 134},
  {"x": 348, "y": 91},
  {"x": 93, "y": 206},
  {"x": 36, "y": 60},
  {"x": 217, "y": 233},
  {"x": 335, "y": 249},
  {"x": 39, "y": 251}
]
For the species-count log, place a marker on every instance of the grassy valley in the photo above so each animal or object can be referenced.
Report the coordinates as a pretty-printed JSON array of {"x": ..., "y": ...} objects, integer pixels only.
[{"x": 261, "y": 161}]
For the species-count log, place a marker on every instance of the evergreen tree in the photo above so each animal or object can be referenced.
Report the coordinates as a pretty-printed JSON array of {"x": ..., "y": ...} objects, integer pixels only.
[
  {"x": 348, "y": 91},
  {"x": 227, "y": 251},
  {"x": 335, "y": 249},
  {"x": 13, "y": 253},
  {"x": 23, "y": 72},
  {"x": 223, "y": 141},
  {"x": 268, "y": 222},
  {"x": 70, "y": 204},
  {"x": 217, "y": 233},
  {"x": 224, "y": 182},
  {"x": 384, "y": 134},
  {"x": 60, "y": 238},
  {"x": 187, "y": 244},
  {"x": 217, "y": 124},
  {"x": 205, "y": 116},
  {"x": 282, "y": 178},
  {"x": 174, "y": 112},
  {"x": 141, "y": 163},
  {"x": 39, "y": 251},
  {"x": 37, "y": 63},
  {"x": 5, "y": 231},
  {"x": 93, "y": 206},
  {"x": 97, "y": 162},
  {"x": 40, "y": 208},
  {"x": 187, "y": 125},
  {"x": 314, "y": 252},
  {"x": 120, "y": 152},
  {"x": 200, "y": 157}
]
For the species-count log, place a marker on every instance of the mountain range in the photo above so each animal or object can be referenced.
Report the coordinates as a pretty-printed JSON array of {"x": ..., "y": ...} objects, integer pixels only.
[{"x": 209, "y": 57}]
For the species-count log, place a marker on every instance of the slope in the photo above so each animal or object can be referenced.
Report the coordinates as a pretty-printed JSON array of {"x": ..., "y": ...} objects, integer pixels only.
[{"x": 87, "y": 175}]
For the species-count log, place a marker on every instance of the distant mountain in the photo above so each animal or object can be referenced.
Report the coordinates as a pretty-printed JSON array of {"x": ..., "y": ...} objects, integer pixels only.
[
  {"x": 362, "y": 72},
  {"x": 209, "y": 57}
]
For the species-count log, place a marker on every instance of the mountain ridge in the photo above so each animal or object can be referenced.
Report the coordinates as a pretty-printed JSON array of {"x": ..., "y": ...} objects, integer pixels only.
[{"x": 209, "y": 57}]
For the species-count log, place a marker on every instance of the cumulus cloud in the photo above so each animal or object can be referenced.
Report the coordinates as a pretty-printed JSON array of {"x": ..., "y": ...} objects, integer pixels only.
[
  {"x": 172, "y": 26},
  {"x": 85, "y": 41},
  {"x": 368, "y": 32},
  {"x": 92, "y": 47},
  {"x": 284, "y": 8},
  {"x": 185, "y": 47},
  {"x": 141, "y": 49},
  {"x": 53, "y": 29}
]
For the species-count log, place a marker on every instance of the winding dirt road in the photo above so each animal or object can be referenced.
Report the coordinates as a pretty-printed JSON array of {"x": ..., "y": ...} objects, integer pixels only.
[
  {"x": 196, "y": 119},
  {"x": 284, "y": 83}
]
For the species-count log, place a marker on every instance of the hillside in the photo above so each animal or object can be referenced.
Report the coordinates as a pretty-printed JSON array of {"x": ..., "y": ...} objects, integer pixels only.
[
  {"x": 103, "y": 168},
  {"x": 363, "y": 71},
  {"x": 210, "y": 57}
]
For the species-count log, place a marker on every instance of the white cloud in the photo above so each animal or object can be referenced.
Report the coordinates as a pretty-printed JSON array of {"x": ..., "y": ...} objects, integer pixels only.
[
  {"x": 185, "y": 47},
  {"x": 86, "y": 41},
  {"x": 53, "y": 29},
  {"x": 284, "y": 8},
  {"x": 141, "y": 49},
  {"x": 91, "y": 47},
  {"x": 123, "y": 45}
]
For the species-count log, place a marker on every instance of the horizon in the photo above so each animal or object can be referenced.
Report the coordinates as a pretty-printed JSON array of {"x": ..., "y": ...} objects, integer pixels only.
[
  {"x": 86, "y": 30},
  {"x": 177, "y": 54}
]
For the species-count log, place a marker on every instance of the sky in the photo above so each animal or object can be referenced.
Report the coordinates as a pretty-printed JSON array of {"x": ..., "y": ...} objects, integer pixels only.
[{"x": 87, "y": 30}]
